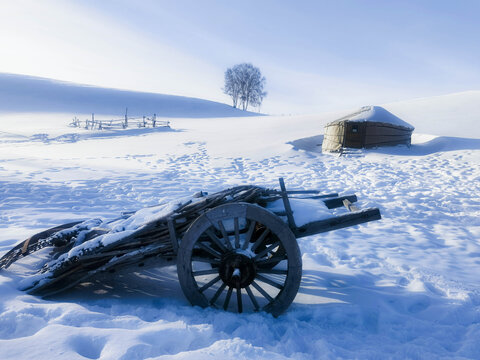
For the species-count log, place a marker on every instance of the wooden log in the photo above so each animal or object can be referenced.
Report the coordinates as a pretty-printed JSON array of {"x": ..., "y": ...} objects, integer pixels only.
[{"x": 338, "y": 222}]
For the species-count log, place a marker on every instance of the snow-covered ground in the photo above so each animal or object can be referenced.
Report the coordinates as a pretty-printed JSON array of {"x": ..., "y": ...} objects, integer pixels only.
[{"x": 403, "y": 287}]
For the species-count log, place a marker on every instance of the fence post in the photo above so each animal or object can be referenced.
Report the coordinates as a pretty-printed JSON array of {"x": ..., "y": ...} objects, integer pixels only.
[
  {"x": 126, "y": 119},
  {"x": 154, "y": 120}
]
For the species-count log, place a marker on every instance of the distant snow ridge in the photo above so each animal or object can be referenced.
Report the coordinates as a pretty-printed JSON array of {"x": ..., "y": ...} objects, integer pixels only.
[{"x": 21, "y": 93}]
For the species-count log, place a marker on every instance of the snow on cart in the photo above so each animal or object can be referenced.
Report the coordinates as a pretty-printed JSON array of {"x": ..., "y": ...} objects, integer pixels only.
[{"x": 235, "y": 249}]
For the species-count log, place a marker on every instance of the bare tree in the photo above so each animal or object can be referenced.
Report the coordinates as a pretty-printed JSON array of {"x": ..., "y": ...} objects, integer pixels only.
[
  {"x": 232, "y": 85},
  {"x": 245, "y": 83}
]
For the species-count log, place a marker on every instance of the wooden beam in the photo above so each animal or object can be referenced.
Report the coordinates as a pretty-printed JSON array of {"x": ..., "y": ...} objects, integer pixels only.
[
  {"x": 286, "y": 204},
  {"x": 338, "y": 201},
  {"x": 338, "y": 222}
]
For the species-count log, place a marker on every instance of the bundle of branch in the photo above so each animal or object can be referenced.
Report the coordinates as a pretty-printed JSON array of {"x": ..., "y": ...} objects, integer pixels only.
[{"x": 86, "y": 248}]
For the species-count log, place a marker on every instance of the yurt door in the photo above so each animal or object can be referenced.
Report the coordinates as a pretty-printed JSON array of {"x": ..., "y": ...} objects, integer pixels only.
[{"x": 355, "y": 134}]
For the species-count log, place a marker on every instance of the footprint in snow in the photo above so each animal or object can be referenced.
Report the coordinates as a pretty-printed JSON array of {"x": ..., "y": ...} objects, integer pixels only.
[
  {"x": 89, "y": 347},
  {"x": 420, "y": 304}
]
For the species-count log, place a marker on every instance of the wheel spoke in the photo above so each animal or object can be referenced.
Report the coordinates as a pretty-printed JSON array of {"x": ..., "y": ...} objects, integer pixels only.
[
  {"x": 272, "y": 271},
  {"x": 261, "y": 291},
  {"x": 217, "y": 293},
  {"x": 216, "y": 240},
  {"x": 260, "y": 239},
  {"x": 269, "y": 281},
  {"x": 225, "y": 235},
  {"x": 210, "y": 283},
  {"x": 227, "y": 299},
  {"x": 206, "y": 260},
  {"x": 209, "y": 250},
  {"x": 237, "y": 233},
  {"x": 239, "y": 299},
  {"x": 273, "y": 259},
  {"x": 248, "y": 236},
  {"x": 267, "y": 250},
  {"x": 252, "y": 298},
  {"x": 205, "y": 272}
]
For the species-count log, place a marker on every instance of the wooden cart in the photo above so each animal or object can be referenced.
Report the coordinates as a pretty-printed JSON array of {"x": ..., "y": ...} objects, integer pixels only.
[{"x": 232, "y": 252}]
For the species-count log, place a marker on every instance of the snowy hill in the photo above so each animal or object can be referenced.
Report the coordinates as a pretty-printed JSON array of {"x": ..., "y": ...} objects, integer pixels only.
[
  {"x": 20, "y": 93},
  {"x": 404, "y": 287},
  {"x": 447, "y": 115}
]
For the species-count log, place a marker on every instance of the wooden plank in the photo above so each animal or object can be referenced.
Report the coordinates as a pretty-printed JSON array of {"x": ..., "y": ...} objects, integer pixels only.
[
  {"x": 379, "y": 139},
  {"x": 386, "y": 130},
  {"x": 338, "y": 201},
  {"x": 338, "y": 222},
  {"x": 392, "y": 142}
]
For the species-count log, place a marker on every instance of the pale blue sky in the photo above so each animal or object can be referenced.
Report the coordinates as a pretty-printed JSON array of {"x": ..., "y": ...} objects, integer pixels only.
[{"x": 316, "y": 55}]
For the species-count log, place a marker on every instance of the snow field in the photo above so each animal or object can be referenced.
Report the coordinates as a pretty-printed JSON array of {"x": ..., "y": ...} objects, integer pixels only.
[{"x": 403, "y": 287}]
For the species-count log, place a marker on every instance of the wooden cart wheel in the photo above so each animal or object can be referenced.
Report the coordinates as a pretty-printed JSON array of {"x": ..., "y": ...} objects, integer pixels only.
[{"x": 224, "y": 252}]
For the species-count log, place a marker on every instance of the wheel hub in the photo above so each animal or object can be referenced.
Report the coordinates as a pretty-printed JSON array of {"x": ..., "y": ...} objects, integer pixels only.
[{"x": 237, "y": 270}]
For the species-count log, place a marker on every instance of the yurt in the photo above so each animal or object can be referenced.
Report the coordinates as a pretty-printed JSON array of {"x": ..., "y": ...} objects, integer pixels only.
[{"x": 371, "y": 126}]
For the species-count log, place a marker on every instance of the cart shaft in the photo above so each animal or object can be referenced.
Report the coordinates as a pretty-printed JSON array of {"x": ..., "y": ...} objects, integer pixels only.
[{"x": 337, "y": 222}]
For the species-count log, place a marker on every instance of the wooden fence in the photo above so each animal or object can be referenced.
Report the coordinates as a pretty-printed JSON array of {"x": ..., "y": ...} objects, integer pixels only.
[{"x": 124, "y": 123}]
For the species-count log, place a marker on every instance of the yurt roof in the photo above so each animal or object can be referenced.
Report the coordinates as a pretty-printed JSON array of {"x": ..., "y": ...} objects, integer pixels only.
[{"x": 375, "y": 114}]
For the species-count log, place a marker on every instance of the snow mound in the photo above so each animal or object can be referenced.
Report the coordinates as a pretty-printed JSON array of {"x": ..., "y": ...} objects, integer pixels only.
[{"x": 21, "y": 93}]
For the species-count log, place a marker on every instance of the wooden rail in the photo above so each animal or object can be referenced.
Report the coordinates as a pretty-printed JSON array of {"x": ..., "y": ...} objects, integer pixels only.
[{"x": 124, "y": 123}]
